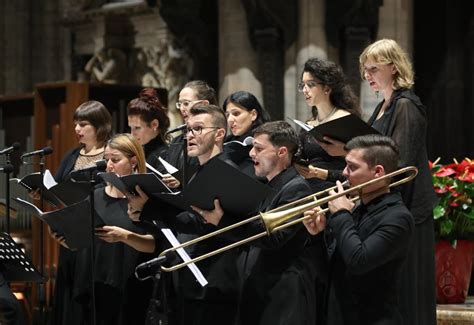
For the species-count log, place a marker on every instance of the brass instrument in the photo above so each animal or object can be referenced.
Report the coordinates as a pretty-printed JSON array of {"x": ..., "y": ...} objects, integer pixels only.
[{"x": 275, "y": 219}]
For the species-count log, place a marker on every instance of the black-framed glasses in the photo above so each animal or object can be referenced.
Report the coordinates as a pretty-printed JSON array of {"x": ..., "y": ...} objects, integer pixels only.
[
  {"x": 186, "y": 103},
  {"x": 197, "y": 130},
  {"x": 308, "y": 83}
]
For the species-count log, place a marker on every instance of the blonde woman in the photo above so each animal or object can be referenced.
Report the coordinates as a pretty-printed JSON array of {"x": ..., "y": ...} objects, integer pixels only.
[
  {"x": 118, "y": 243},
  {"x": 402, "y": 116}
]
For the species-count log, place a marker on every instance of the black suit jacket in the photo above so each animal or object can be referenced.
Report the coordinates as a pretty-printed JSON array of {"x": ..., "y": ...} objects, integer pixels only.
[{"x": 279, "y": 281}]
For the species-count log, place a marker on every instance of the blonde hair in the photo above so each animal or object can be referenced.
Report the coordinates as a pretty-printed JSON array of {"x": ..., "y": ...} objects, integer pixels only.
[
  {"x": 387, "y": 51},
  {"x": 130, "y": 147}
]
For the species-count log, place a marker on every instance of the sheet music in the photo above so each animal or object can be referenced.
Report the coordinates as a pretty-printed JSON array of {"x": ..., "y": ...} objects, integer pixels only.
[
  {"x": 48, "y": 180},
  {"x": 169, "y": 168},
  {"x": 248, "y": 141},
  {"x": 150, "y": 167},
  {"x": 302, "y": 125},
  {"x": 182, "y": 253}
]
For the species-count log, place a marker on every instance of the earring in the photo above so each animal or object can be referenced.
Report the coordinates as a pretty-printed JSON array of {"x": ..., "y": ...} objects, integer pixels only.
[{"x": 325, "y": 93}]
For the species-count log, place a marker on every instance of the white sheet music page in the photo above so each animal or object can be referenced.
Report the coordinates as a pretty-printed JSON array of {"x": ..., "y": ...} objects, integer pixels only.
[
  {"x": 169, "y": 168},
  {"x": 150, "y": 167},
  {"x": 48, "y": 180},
  {"x": 182, "y": 253},
  {"x": 301, "y": 124}
]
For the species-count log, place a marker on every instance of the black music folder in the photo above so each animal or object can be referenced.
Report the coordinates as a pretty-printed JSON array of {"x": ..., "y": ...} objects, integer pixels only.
[
  {"x": 61, "y": 194},
  {"x": 72, "y": 222},
  {"x": 238, "y": 193},
  {"x": 238, "y": 151},
  {"x": 150, "y": 183},
  {"x": 14, "y": 264},
  {"x": 342, "y": 129}
]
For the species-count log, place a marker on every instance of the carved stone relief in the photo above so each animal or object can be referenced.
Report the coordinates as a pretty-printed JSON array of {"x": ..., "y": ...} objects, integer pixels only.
[{"x": 107, "y": 66}]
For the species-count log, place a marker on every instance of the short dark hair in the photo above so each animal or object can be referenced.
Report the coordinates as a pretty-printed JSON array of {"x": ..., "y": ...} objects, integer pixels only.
[
  {"x": 248, "y": 102},
  {"x": 377, "y": 150},
  {"x": 148, "y": 107},
  {"x": 218, "y": 115},
  {"x": 281, "y": 134},
  {"x": 99, "y": 116},
  {"x": 203, "y": 91}
]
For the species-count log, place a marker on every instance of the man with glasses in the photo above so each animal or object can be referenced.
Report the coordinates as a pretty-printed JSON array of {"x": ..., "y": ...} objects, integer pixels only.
[{"x": 217, "y": 302}]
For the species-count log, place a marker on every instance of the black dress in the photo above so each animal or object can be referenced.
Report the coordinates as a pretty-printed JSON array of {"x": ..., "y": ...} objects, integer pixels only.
[
  {"x": 404, "y": 120},
  {"x": 318, "y": 157},
  {"x": 367, "y": 250},
  {"x": 139, "y": 292},
  {"x": 114, "y": 265},
  {"x": 65, "y": 307}
]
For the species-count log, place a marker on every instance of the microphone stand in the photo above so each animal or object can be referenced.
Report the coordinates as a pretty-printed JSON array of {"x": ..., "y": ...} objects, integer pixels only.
[
  {"x": 41, "y": 291},
  {"x": 153, "y": 315},
  {"x": 7, "y": 192},
  {"x": 185, "y": 159},
  {"x": 92, "y": 182}
]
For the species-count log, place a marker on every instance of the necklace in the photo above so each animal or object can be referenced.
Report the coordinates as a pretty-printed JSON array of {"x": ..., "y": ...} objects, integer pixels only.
[{"x": 328, "y": 116}]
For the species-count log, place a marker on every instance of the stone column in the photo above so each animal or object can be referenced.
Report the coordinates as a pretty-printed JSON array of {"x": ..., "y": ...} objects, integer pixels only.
[
  {"x": 270, "y": 53},
  {"x": 46, "y": 41},
  {"x": 311, "y": 43},
  {"x": 238, "y": 62},
  {"x": 396, "y": 22},
  {"x": 15, "y": 56}
]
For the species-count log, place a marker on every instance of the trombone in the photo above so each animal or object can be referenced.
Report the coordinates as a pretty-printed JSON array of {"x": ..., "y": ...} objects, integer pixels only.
[{"x": 275, "y": 219}]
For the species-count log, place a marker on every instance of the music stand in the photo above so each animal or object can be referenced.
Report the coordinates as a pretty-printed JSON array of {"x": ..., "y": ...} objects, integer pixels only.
[{"x": 14, "y": 264}]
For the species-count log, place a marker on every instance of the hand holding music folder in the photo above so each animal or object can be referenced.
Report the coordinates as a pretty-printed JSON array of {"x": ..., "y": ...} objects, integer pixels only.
[
  {"x": 149, "y": 183},
  {"x": 238, "y": 193},
  {"x": 342, "y": 129},
  {"x": 173, "y": 171},
  {"x": 62, "y": 194},
  {"x": 14, "y": 264},
  {"x": 72, "y": 222}
]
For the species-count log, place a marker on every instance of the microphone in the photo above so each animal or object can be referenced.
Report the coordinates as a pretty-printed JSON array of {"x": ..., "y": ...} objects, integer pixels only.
[
  {"x": 179, "y": 128},
  {"x": 43, "y": 152},
  {"x": 155, "y": 261},
  {"x": 13, "y": 147},
  {"x": 6, "y": 169}
]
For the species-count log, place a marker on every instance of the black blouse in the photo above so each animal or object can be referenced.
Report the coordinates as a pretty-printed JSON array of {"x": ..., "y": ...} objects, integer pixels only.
[
  {"x": 154, "y": 149},
  {"x": 114, "y": 262},
  {"x": 404, "y": 120}
]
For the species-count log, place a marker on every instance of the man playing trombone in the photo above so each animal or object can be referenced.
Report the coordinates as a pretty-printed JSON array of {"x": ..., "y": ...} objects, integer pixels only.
[{"x": 367, "y": 244}]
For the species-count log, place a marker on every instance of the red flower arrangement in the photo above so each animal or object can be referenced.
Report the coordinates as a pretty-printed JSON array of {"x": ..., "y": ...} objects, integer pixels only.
[{"x": 454, "y": 213}]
